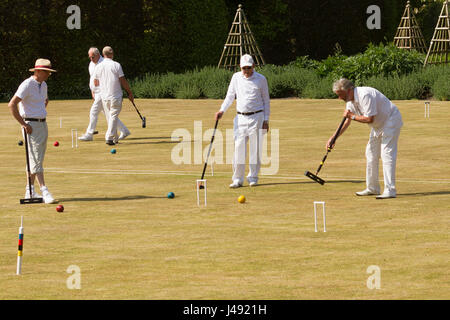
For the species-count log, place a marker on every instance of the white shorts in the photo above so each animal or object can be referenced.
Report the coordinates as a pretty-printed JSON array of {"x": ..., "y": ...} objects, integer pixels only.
[{"x": 37, "y": 145}]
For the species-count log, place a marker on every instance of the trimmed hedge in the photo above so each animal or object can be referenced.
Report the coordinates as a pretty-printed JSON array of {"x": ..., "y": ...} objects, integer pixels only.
[
  {"x": 291, "y": 81},
  {"x": 398, "y": 73}
]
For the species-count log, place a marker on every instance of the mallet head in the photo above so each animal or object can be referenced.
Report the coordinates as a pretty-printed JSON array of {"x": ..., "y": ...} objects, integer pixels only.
[
  {"x": 314, "y": 177},
  {"x": 144, "y": 122}
]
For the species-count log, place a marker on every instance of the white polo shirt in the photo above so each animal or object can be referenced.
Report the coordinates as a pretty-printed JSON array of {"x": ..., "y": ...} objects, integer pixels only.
[
  {"x": 92, "y": 66},
  {"x": 33, "y": 95},
  {"x": 252, "y": 94},
  {"x": 371, "y": 102},
  {"x": 108, "y": 73}
]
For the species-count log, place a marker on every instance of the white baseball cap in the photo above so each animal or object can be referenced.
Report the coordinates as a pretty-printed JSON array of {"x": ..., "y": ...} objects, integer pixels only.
[{"x": 246, "y": 61}]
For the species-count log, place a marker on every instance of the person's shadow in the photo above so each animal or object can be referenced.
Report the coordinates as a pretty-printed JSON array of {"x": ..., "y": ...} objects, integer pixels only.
[
  {"x": 433, "y": 193},
  {"x": 307, "y": 182},
  {"x": 137, "y": 197}
]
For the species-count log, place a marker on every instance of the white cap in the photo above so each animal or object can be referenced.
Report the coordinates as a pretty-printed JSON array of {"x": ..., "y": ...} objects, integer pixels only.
[{"x": 246, "y": 61}]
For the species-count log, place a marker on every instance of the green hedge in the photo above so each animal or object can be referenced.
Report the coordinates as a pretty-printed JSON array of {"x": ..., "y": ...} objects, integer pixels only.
[
  {"x": 291, "y": 81},
  {"x": 398, "y": 73}
]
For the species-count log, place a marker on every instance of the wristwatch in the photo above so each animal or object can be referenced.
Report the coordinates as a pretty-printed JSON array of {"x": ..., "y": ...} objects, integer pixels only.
[{"x": 353, "y": 117}]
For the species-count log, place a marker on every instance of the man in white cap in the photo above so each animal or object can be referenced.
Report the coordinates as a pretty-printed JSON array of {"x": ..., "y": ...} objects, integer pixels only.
[
  {"x": 28, "y": 107},
  {"x": 251, "y": 91},
  {"x": 111, "y": 79},
  {"x": 368, "y": 105},
  {"x": 97, "y": 105}
]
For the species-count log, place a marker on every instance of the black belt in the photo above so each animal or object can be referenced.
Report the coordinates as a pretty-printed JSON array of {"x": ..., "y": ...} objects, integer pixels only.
[
  {"x": 249, "y": 113},
  {"x": 33, "y": 119}
]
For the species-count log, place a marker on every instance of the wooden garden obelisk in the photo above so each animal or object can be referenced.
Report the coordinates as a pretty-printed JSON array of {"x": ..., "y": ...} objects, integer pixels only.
[
  {"x": 438, "y": 52},
  {"x": 409, "y": 36},
  {"x": 240, "y": 41}
]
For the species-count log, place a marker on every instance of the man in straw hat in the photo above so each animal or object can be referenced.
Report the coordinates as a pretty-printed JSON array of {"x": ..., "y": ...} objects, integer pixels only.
[
  {"x": 251, "y": 92},
  {"x": 28, "y": 107}
]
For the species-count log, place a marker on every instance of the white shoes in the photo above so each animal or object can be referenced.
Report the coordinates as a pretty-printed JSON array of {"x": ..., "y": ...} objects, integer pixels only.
[
  {"x": 387, "y": 195},
  {"x": 48, "y": 198},
  {"x": 366, "y": 192},
  {"x": 253, "y": 183},
  {"x": 86, "y": 137},
  {"x": 235, "y": 185},
  {"x": 33, "y": 192},
  {"x": 123, "y": 135}
]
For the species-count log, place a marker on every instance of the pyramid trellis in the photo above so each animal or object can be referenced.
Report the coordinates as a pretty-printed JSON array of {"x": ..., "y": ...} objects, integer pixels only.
[
  {"x": 240, "y": 41},
  {"x": 439, "y": 49},
  {"x": 409, "y": 36}
]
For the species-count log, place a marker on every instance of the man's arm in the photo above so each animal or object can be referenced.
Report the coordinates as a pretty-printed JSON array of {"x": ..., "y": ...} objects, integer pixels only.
[
  {"x": 13, "y": 107},
  {"x": 266, "y": 102},
  {"x": 124, "y": 84},
  {"x": 344, "y": 127},
  {"x": 363, "y": 119},
  {"x": 231, "y": 95}
]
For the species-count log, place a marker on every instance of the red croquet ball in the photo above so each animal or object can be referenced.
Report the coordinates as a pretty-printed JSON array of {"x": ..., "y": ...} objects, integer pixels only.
[
  {"x": 60, "y": 208},
  {"x": 56, "y": 143}
]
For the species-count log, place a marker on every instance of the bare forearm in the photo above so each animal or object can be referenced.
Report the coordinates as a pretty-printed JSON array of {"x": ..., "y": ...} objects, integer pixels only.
[
  {"x": 344, "y": 127},
  {"x": 126, "y": 86},
  {"x": 13, "y": 108}
]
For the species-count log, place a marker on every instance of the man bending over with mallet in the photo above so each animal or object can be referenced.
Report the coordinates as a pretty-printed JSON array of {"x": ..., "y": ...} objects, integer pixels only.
[{"x": 368, "y": 105}]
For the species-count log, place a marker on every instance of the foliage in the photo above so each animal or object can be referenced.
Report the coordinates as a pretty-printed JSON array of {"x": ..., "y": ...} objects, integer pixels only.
[
  {"x": 441, "y": 88},
  {"x": 386, "y": 60}
]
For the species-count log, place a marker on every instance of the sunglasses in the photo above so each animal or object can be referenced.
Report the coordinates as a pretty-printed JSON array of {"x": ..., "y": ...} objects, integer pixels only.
[{"x": 246, "y": 68}]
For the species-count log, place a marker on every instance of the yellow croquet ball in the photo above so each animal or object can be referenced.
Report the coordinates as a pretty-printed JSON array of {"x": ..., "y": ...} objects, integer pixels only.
[{"x": 241, "y": 199}]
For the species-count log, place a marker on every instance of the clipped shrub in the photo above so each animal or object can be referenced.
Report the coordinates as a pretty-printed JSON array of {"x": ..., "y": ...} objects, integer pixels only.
[
  {"x": 320, "y": 89},
  {"x": 441, "y": 87}
]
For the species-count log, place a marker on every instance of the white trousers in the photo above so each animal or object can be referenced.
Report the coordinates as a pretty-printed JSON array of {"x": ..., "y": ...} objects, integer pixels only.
[
  {"x": 112, "y": 110},
  {"x": 384, "y": 145},
  {"x": 97, "y": 107},
  {"x": 247, "y": 129}
]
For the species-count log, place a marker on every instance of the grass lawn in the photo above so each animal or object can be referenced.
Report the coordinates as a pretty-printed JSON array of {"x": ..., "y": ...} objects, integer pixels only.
[{"x": 131, "y": 242}]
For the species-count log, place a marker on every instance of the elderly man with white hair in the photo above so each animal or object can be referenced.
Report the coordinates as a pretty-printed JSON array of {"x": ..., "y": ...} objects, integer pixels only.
[
  {"x": 97, "y": 105},
  {"x": 251, "y": 92},
  {"x": 111, "y": 79},
  {"x": 368, "y": 105}
]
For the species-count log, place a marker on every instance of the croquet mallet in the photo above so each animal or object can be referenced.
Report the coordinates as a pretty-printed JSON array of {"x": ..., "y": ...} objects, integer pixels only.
[
  {"x": 30, "y": 199},
  {"x": 209, "y": 151},
  {"x": 314, "y": 176}
]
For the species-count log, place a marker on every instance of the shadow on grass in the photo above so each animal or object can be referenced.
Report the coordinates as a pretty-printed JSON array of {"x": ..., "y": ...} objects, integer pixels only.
[
  {"x": 152, "y": 142},
  {"x": 146, "y": 138},
  {"x": 132, "y": 140},
  {"x": 109, "y": 198},
  {"x": 308, "y": 182},
  {"x": 434, "y": 193}
]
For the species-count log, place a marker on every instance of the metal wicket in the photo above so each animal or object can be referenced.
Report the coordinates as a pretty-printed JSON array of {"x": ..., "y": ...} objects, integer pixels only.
[
  {"x": 75, "y": 135},
  {"x": 427, "y": 109},
  {"x": 323, "y": 213},
  {"x": 199, "y": 182}
]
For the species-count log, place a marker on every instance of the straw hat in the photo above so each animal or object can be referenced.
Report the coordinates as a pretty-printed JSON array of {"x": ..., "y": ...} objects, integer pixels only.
[{"x": 43, "y": 64}]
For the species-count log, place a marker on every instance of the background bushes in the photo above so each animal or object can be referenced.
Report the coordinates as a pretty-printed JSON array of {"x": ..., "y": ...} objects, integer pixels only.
[
  {"x": 399, "y": 74},
  {"x": 158, "y": 37}
]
